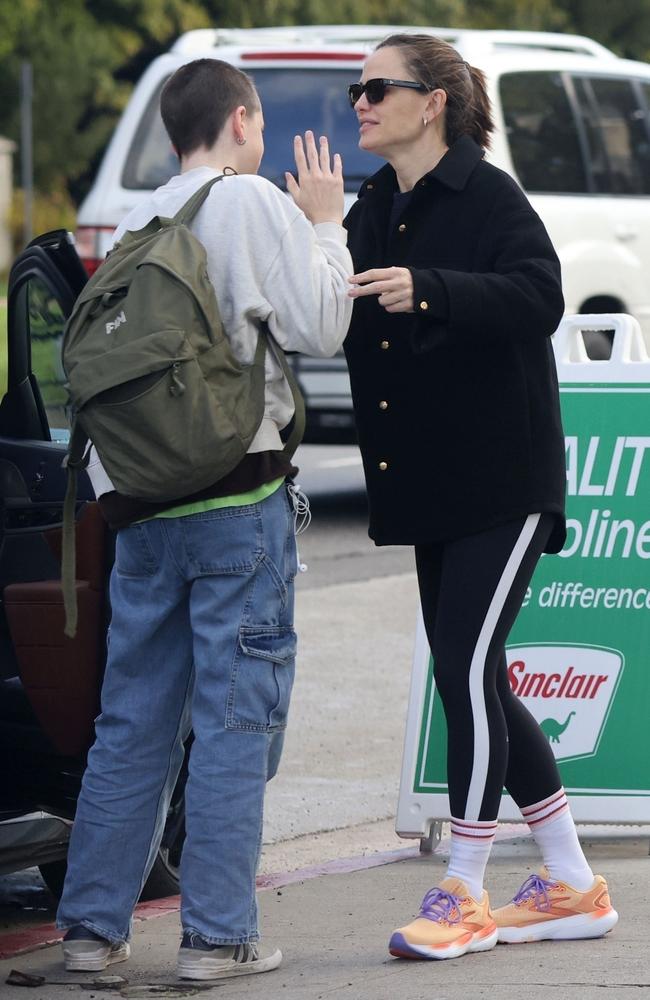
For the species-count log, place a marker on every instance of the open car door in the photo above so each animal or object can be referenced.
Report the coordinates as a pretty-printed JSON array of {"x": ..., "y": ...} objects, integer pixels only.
[
  {"x": 50, "y": 684},
  {"x": 60, "y": 676}
]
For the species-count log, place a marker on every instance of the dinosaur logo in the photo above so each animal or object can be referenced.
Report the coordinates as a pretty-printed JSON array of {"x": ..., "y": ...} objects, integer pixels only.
[
  {"x": 554, "y": 729},
  {"x": 569, "y": 689}
]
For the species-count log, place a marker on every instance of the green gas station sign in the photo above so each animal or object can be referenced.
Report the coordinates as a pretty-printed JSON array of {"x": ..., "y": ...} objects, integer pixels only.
[{"x": 579, "y": 654}]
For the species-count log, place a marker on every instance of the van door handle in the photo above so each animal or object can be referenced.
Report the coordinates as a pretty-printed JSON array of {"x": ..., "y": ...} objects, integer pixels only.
[{"x": 625, "y": 233}]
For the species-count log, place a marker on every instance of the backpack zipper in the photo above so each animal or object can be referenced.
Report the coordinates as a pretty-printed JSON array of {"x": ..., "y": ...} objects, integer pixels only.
[{"x": 177, "y": 387}]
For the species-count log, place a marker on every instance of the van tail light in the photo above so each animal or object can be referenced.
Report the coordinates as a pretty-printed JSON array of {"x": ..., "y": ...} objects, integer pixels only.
[{"x": 92, "y": 242}]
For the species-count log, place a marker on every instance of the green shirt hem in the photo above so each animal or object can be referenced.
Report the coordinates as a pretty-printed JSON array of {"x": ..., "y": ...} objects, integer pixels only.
[{"x": 217, "y": 503}]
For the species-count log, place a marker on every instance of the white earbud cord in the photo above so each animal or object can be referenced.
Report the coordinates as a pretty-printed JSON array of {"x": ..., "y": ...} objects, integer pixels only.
[{"x": 301, "y": 515}]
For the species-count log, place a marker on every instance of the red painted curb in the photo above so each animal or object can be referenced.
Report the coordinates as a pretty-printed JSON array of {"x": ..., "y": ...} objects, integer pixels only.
[{"x": 19, "y": 942}]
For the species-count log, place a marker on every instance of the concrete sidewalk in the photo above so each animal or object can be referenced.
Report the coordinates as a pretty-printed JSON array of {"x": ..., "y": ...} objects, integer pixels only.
[
  {"x": 333, "y": 928},
  {"x": 332, "y": 921},
  {"x": 343, "y": 748}
]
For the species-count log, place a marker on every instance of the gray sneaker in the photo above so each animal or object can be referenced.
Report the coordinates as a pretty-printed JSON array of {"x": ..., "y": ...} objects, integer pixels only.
[
  {"x": 198, "y": 959},
  {"x": 85, "y": 951}
]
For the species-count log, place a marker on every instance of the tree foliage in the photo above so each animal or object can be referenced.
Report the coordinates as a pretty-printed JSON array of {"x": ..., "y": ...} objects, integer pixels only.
[
  {"x": 87, "y": 54},
  {"x": 85, "y": 57}
]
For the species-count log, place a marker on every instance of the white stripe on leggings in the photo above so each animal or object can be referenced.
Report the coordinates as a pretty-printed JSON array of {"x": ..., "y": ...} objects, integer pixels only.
[{"x": 477, "y": 669}]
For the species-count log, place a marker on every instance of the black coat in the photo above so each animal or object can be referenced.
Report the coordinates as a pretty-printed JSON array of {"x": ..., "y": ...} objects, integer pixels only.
[{"x": 457, "y": 405}]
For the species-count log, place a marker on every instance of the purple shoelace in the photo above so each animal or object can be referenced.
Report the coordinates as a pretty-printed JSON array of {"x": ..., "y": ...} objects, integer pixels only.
[
  {"x": 537, "y": 888},
  {"x": 440, "y": 905}
]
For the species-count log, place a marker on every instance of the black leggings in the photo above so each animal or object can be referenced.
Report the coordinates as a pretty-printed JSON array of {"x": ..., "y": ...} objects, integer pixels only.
[{"x": 471, "y": 591}]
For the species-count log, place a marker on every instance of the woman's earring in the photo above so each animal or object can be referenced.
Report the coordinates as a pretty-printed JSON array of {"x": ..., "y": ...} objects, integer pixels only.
[
  {"x": 241, "y": 141},
  {"x": 425, "y": 121}
]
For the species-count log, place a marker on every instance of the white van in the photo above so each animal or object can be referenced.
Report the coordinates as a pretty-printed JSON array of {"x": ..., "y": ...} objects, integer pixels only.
[{"x": 573, "y": 128}]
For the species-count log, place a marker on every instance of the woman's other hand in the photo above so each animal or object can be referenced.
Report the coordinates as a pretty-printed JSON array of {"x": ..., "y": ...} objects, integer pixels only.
[
  {"x": 319, "y": 188},
  {"x": 393, "y": 285}
]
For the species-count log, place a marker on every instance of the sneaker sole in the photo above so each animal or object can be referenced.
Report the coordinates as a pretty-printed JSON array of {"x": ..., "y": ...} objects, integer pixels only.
[
  {"x": 215, "y": 968},
  {"x": 399, "y": 947},
  {"x": 94, "y": 962},
  {"x": 577, "y": 927}
]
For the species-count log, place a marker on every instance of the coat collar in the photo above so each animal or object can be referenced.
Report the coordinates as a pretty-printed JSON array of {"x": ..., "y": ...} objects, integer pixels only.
[{"x": 453, "y": 170}]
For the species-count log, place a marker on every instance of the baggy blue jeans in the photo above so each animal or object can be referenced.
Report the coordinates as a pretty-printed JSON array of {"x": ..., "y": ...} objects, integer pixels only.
[{"x": 202, "y": 629}]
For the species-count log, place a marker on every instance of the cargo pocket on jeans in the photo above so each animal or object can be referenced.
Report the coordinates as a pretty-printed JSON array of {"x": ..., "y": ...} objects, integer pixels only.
[{"x": 262, "y": 678}]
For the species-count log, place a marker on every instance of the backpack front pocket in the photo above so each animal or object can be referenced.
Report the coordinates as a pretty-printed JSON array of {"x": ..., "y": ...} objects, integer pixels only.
[{"x": 153, "y": 432}]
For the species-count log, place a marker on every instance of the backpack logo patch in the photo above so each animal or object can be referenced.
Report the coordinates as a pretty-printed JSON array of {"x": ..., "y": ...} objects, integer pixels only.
[{"x": 113, "y": 324}]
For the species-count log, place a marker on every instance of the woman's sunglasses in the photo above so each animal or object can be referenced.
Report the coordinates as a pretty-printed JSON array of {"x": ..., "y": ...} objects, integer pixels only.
[{"x": 375, "y": 90}]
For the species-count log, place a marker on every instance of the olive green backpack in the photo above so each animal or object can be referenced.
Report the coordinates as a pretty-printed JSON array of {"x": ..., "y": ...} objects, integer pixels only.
[{"x": 153, "y": 382}]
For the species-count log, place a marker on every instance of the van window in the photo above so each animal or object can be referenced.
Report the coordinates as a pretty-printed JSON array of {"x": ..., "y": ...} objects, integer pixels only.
[
  {"x": 644, "y": 87},
  {"x": 542, "y": 133},
  {"x": 151, "y": 160},
  {"x": 616, "y": 129},
  {"x": 293, "y": 100}
]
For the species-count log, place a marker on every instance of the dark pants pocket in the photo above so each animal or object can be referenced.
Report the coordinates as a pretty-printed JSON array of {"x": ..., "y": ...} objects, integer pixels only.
[{"x": 262, "y": 678}]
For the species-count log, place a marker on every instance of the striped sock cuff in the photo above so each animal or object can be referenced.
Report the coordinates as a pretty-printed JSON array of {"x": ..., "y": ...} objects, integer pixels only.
[
  {"x": 476, "y": 829},
  {"x": 548, "y": 809}
]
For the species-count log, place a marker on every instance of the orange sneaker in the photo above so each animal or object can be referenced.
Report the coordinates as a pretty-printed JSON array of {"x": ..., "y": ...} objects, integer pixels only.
[
  {"x": 450, "y": 923},
  {"x": 546, "y": 909}
]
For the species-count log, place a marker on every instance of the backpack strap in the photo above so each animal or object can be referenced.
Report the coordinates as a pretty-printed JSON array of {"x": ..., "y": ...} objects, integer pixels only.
[
  {"x": 299, "y": 418},
  {"x": 133, "y": 235},
  {"x": 298, "y": 423},
  {"x": 185, "y": 214},
  {"x": 76, "y": 458}
]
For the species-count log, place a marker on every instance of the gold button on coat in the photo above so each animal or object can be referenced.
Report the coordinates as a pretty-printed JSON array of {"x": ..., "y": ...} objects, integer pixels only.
[
  {"x": 383, "y": 466},
  {"x": 402, "y": 228},
  {"x": 385, "y": 344},
  {"x": 383, "y": 405},
  {"x": 424, "y": 306}
]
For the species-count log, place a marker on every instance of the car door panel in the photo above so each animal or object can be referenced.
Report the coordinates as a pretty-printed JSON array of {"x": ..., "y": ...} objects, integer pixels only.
[{"x": 60, "y": 676}]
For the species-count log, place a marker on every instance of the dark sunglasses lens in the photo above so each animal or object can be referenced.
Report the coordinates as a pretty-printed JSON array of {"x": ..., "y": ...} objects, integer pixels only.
[
  {"x": 355, "y": 90},
  {"x": 375, "y": 91}
]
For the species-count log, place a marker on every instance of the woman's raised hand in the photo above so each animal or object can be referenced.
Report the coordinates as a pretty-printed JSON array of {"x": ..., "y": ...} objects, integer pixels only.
[
  {"x": 319, "y": 188},
  {"x": 392, "y": 285}
]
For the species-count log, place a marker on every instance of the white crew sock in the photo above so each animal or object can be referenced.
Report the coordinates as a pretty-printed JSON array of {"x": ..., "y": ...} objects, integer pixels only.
[
  {"x": 552, "y": 826},
  {"x": 471, "y": 842}
]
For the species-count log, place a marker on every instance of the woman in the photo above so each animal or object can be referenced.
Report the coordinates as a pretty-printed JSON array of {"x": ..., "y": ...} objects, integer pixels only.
[{"x": 456, "y": 399}]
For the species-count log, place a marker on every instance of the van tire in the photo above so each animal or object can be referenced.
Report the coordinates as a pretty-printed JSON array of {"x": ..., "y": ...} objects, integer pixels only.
[
  {"x": 163, "y": 878},
  {"x": 162, "y": 881}
]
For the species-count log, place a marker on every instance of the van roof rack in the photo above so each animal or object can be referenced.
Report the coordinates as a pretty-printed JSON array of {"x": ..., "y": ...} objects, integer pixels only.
[
  {"x": 202, "y": 40},
  {"x": 550, "y": 41}
]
